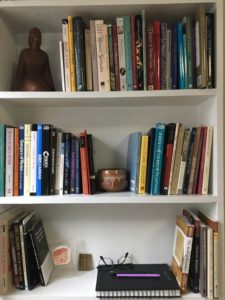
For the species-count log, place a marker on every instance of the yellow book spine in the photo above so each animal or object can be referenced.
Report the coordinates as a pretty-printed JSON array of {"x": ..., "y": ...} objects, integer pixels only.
[
  {"x": 71, "y": 54},
  {"x": 143, "y": 164},
  {"x": 27, "y": 158}
]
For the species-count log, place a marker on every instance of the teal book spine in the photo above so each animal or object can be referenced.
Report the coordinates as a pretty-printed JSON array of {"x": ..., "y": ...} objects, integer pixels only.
[
  {"x": 2, "y": 160},
  {"x": 157, "y": 159},
  {"x": 181, "y": 83},
  {"x": 127, "y": 39}
]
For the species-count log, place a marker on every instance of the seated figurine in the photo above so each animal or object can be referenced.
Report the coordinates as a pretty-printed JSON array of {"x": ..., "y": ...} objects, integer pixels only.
[{"x": 33, "y": 70}]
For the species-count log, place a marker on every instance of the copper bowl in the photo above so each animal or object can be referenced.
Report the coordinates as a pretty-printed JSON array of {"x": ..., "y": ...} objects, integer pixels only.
[{"x": 112, "y": 180}]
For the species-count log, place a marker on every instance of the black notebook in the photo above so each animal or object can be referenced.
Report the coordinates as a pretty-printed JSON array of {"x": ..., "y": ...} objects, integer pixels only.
[{"x": 164, "y": 286}]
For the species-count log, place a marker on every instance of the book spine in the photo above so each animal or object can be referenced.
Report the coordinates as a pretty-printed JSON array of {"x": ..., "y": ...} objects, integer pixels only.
[
  {"x": 21, "y": 160},
  {"x": 39, "y": 160},
  {"x": 180, "y": 54},
  {"x": 168, "y": 59},
  {"x": 13, "y": 258},
  {"x": 174, "y": 75},
  {"x": 84, "y": 164},
  {"x": 163, "y": 63},
  {"x": 210, "y": 50},
  {"x": 203, "y": 261},
  {"x": 116, "y": 58},
  {"x": 91, "y": 163},
  {"x": 2, "y": 160},
  {"x": 72, "y": 165},
  {"x": 88, "y": 61},
  {"x": 206, "y": 171},
  {"x": 45, "y": 159},
  {"x": 66, "y": 184},
  {"x": 150, "y": 55},
  {"x": 157, "y": 54},
  {"x": 133, "y": 52},
  {"x": 27, "y": 149},
  {"x": 185, "y": 60},
  {"x": 127, "y": 39},
  {"x": 151, "y": 140},
  {"x": 139, "y": 52},
  {"x": 173, "y": 158},
  {"x": 62, "y": 65},
  {"x": 188, "y": 30},
  {"x": 209, "y": 263},
  {"x": 77, "y": 167},
  {"x": 52, "y": 160},
  {"x": 79, "y": 49},
  {"x": 94, "y": 55},
  {"x": 143, "y": 164},
  {"x": 122, "y": 54},
  {"x": 9, "y": 148},
  {"x": 215, "y": 265},
  {"x": 23, "y": 256},
  {"x": 106, "y": 48},
  {"x": 66, "y": 55},
  {"x": 33, "y": 160},
  {"x": 195, "y": 181},
  {"x": 71, "y": 54},
  {"x": 21, "y": 285},
  {"x": 59, "y": 164},
  {"x": 16, "y": 163},
  {"x": 202, "y": 160},
  {"x": 111, "y": 58},
  {"x": 157, "y": 159},
  {"x": 143, "y": 17}
]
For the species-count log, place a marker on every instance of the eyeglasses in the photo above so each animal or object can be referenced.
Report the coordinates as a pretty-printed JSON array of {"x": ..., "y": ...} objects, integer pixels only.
[{"x": 106, "y": 263}]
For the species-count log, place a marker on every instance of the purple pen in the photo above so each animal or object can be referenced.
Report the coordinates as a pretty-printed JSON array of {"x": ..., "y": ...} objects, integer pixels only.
[{"x": 153, "y": 275}]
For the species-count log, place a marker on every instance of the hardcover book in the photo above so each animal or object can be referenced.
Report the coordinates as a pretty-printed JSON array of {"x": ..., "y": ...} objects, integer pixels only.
[
  {"x": 117, "y": 285},
  {"x": 2, "y": 160}
]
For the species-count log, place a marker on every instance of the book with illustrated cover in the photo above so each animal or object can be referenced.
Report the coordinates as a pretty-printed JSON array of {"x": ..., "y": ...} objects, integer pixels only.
[{"x": 124, "y": 283}]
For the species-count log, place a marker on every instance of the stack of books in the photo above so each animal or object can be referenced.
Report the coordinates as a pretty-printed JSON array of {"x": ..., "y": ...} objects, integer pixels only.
[
  {"x": 136, "y": 53},
  {"x": 25, "y": 258},
  {"x": 195, "y": 253},
  {"x": 40, "y": 159},
  {"x": 170, "y": 160}
]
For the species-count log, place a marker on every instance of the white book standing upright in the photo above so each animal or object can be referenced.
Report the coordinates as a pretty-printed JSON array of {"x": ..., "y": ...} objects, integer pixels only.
[{"x": 110, "y": 224}]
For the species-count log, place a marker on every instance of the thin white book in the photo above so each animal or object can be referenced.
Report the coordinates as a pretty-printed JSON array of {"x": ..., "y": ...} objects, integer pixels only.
[
  {"x": 65, "y": 39},
  {"x": 122, "y": 54},
  {"x": 27, "y": 158},
  {"x": 33, "y": 162},
  {"x": 9, "y": 150},
  {"x": 62, "y": 67}
]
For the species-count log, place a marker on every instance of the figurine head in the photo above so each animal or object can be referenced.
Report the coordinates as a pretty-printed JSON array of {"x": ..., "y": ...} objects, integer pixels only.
[{"x": 34, "y": 38}]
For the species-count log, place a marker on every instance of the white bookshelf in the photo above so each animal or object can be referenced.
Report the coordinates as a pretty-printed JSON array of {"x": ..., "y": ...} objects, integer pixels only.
[{"x": 109, "y": 224}]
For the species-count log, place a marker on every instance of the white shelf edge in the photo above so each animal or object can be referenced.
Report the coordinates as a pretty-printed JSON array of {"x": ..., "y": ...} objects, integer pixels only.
[{"x": 111, "y": 198}]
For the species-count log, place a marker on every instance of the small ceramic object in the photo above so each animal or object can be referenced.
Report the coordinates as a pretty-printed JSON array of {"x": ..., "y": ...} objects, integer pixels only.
[{"x": 113, "y": 180}]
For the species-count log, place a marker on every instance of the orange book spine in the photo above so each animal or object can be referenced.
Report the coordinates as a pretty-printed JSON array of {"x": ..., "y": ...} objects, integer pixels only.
[{"x": 16, "y": 163}]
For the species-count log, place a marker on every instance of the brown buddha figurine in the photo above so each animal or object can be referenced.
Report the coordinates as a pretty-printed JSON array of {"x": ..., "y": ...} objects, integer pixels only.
[{"x": 33, "y": 70}]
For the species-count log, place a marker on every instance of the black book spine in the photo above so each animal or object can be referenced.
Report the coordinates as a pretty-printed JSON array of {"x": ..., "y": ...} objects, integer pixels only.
[
  {"x": 151, "y": 140},
  {"x": 111, "y": 59},
  {"x": 13, "y": 258},
  {"x": 78, "y": 186},
  {"x": 46, "y": 160},
  {"x": 79, "y": 41},
  {"x": 67, "y": 150},
  {"x": 72, "y": 165},
  {"x": 139, "y": 52},
  {"x": 53, "y": 160},
  {"x": 91, "y": 163},
  {"x": 21, "y": 284},
  {"x": 210, "y": 49},
  {"x": 189, "y": 160}
]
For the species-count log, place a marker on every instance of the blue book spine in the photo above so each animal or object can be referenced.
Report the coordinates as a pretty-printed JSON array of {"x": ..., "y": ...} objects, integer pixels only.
[
  {"x": 39, "y": 160},
  {"x": 185, "y": 61},
  {"x": 180, "y": 53},
  {"x": 174, "y": 56},
  {"x": 21, "y": 160},
  {"x": 133, "y": 159},
  {"x": 2, "y": 160},
  {"x": 157, "y": 159},
  {"x": 127, "y": 38},
  {"x": 77, "y": 167}
]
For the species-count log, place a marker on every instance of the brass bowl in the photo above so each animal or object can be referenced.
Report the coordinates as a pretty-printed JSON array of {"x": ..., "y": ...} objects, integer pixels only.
[{"x": 112, "y": 180}]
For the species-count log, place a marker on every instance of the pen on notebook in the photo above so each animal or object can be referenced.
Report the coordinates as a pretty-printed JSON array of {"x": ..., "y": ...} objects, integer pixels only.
[{"x": 152, "y": 275}]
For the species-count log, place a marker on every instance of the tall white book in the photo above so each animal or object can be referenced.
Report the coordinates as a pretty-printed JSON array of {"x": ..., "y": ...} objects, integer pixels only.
[{"x": 122, "y": 54}]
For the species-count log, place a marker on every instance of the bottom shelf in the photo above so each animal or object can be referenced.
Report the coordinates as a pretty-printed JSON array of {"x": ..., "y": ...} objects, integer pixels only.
[{"x": 67, "y": 285}]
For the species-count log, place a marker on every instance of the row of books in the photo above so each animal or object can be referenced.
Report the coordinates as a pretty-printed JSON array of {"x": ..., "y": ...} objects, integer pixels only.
[
  {"x": 39, "y": 159},
  {"x": 138, "y": 54},
  {"x": 170, "y": 159},
  {"x": 25, "y": 258},
  {"x": 195, "y": 253}
]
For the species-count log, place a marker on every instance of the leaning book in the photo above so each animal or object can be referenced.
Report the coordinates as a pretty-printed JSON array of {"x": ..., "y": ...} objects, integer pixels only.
[{"x": 118, "y": 283}]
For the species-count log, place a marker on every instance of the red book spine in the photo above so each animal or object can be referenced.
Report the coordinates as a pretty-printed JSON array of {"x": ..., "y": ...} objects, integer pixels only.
[
  {"x": 16, "y": 163},
  {"x": 116, "y": 57},
  {"x": 84, "y": 163},
  {"x": 150, "y": 55},
  {"x": 157, "y": 54},
  {"x": 202, "y": 161},
  {"x": 133, "y": 52}
]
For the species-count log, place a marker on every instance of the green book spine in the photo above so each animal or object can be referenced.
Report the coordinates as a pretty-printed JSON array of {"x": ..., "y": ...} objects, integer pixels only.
[{"x": 2, "y": 160}]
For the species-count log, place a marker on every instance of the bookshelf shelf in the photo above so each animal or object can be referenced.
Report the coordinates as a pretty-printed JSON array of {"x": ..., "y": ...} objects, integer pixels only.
[{"x": 111, "y": 198}]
